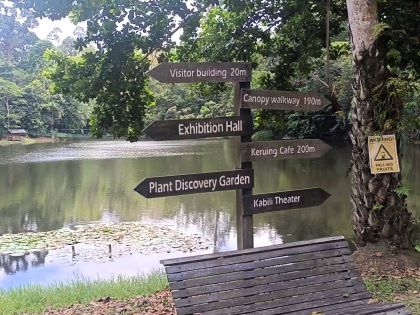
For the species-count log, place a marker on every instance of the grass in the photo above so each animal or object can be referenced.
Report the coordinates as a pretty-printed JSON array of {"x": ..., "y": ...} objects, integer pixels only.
[
  {"x": 22, "y": 142},
  {"x": 36, "y": 299},
  {"x": 403, "y": 290}
]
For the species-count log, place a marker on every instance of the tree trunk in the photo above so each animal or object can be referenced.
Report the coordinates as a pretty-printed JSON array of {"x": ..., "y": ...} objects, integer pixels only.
[
  {"x": 6, "y": 103},
  {"x": 379, "y": 213}
]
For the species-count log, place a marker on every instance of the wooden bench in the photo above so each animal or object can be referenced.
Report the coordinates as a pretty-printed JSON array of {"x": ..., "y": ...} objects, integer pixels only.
[{"x": 308, "y": 277}]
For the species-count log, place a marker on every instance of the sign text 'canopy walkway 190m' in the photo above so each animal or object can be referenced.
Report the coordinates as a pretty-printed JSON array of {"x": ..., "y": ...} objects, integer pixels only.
[
  {"x": 195, "y": 183},
  {"x": 198, "y": 128},
  {"x": 284, "y": 149},
  {"x": 283, "y": 100},
  {"x": 193, "y": 72},
  {"x": 285, "y": 200}
]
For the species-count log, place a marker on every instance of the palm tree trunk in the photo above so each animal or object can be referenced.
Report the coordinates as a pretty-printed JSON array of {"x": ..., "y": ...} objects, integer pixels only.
[{"x": 379, "y": 213}]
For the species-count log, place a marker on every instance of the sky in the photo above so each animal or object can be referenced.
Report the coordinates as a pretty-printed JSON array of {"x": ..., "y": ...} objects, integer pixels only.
[{"x": 46, "y": 26}]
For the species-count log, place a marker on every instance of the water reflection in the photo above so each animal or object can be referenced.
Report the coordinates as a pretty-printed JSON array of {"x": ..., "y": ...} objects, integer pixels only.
[
  {"x": 45, "y": 187},
  {"x": 11, "y": 264}
]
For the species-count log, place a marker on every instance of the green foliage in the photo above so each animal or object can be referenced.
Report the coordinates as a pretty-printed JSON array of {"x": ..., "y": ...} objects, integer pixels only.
[
  {"x": 25, "y": 99},
  {"x": 262, "y": 135},
  {"x": 122, "y": 33},
  {"x": 36, "y": 299},
  {"x": 386, "y": 289},
  {"x": 284, "y": 40},
  {"x": 377, "y": 207},
  {"x": 401, "y": 191}
]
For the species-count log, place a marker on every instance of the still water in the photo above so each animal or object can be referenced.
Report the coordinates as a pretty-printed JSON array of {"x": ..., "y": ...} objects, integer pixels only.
[{"x": 45, "y": 187}]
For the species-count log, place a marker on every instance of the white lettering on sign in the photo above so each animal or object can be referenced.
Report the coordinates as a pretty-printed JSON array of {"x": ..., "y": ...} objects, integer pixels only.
[
  {"x": 199, "y": 128},
  {"x": 155, "y": 187},
  {"x": 263, "y": 100},
  {"x": 264, "y": 152},
  {"x": 225, "y": 181},
  {"x": 207, "y": 73},
  {"x": 285, "y": 100},
  {"x": 181, "y": 184},
  {"x": 211, "y": 184},
  {"x": 283, "y": 200},
  {"x": 211, "y": 73},
  {"x": 181, "y": 73},
  {"x": 287, "y": 150},
  {"x": 263, "y": 202}
]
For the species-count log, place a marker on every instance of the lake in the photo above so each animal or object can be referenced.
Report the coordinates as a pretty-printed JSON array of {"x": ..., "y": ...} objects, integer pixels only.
[{"x": 45, "y": 187}]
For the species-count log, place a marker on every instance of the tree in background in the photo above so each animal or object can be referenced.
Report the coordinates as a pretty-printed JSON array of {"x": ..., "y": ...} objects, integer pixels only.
[
  {"x": 285, "y": 40},
  {"x": 25, "y": 97},
  {"x": 381, "y": 47},
  {"x": 123, "y": 34}
]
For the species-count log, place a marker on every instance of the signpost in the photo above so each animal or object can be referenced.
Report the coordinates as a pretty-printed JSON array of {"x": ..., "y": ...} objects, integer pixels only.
[
  {"x": 195, "y": 183},
  {"x": 284, "y": 149},
  {"x": 283, "y": 100},
  {"x": 198, "y": 128},
  {"x": 194, "y": 72},
  {"x": 285, "y": 200},
  {"x": 242, "y": 179}
]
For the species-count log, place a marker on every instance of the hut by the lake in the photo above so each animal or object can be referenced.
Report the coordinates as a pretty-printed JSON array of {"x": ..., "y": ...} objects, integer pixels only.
[{"x": 16, "y": 134}]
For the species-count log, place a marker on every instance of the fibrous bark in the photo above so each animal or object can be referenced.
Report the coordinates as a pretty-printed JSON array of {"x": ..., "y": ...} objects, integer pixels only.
[{"x": 378, "y": 211}]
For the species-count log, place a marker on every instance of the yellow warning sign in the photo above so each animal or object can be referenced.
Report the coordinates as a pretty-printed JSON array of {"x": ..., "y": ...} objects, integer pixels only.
[{"x": 383, "y": 157}]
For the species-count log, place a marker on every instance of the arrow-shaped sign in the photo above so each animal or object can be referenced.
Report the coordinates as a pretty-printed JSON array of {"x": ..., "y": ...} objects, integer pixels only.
[
  {"x": 285, "y": 200},
  {"x": 192, "y": 72},
  {"x": 283, "y": 100},
  {"x": 195, "y": 183},
  {"x": 198, "y": 128},
  {"x": 283, "y": 149}
]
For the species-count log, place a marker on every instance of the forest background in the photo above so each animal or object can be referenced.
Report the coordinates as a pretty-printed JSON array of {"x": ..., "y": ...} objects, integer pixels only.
[{"x": 95, "y": 80}]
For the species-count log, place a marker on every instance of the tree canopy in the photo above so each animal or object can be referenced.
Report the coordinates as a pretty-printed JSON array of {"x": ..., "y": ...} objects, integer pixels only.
[{"x": 25, "y": 98}]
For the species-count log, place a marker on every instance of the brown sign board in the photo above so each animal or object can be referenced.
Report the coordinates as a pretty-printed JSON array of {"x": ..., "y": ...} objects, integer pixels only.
[
  {"x": 285, "y": 200},
  {"x": 283, "y": 149},
  {"x": 383, "y": 156},
  {"x": 195, "y": 183},
  {"x": 198, "y": 128},
  {"x": 283, "y": 100},
  {"x": 192, "y": 72}
]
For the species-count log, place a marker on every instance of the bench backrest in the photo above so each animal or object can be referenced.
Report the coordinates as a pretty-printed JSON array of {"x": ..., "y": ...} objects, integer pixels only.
[{"x": 280, "y": 279}]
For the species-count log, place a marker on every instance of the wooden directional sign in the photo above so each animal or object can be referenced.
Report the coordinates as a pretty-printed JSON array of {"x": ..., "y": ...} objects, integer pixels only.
[
  {"x": 198, "y": 128},
  {"x": 283, "y": 149},
  {"x": 195, "y": 183},
  {"x": 202, "y": 72},
  {"x": 284, "y": 200},
  {"x": 283, "y": 100}
]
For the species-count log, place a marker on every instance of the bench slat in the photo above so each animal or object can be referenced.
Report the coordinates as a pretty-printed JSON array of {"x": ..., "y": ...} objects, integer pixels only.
[
  {"x": 321, "y": 258},
  {"x": 302, "y": 268},
  {"x": 258, "y": 289},
  {"x": 285, "y": 304},
  {"x": 367, "y": 309},
  {"x": 313, "y": 291},
  {"x": 292, "y": 252},
  {"x": 175, "y": 261},
  {"x": 289, "y": 281},
  {"x": 305, "y": 307}
]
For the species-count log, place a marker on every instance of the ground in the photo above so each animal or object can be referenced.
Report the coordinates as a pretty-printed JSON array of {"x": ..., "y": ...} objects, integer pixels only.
[{"x": 392, "y": 276}]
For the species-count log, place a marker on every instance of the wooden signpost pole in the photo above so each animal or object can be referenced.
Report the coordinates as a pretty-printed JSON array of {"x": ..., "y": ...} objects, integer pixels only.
[
  {"x": 244, "y": 222},
  {"x": 241, "y": 179}
]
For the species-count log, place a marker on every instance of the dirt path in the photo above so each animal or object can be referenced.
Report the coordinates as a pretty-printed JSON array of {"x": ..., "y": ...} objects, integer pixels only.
[{"x": 160, "y": 303}]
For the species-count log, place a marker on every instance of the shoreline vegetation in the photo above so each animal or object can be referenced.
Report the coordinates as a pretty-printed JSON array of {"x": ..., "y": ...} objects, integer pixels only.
[
  {"x": 37, "y": 299},
  {"x": 390, "y": 276},
  {"x": 45, "y": 139}
]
